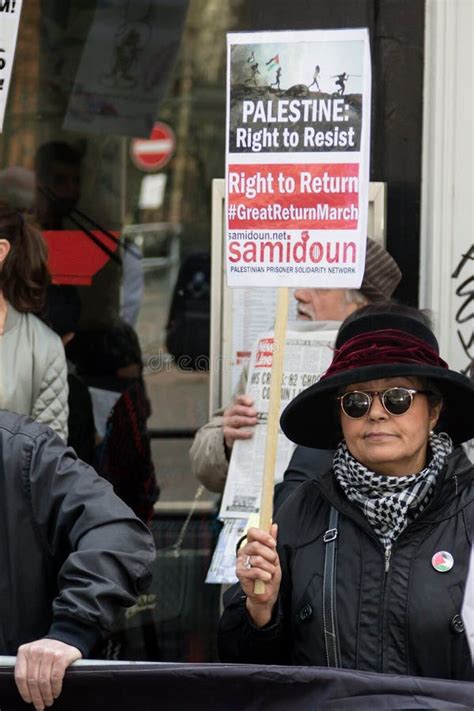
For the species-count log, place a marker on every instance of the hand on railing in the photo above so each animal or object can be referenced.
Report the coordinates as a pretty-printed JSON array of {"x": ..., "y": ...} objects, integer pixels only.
[{"x": 40, "y": 668}]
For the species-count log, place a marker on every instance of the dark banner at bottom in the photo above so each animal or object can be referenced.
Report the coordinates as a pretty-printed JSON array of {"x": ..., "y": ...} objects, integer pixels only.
[{"x": 172, "y": 687}]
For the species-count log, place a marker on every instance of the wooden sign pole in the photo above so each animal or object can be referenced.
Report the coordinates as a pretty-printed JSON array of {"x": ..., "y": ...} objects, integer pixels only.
[{"x": 273, "y": 421}]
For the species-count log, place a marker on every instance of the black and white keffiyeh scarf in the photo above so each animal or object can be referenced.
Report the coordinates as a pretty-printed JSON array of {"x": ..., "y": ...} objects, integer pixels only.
[{"x": 390, "y": 502}]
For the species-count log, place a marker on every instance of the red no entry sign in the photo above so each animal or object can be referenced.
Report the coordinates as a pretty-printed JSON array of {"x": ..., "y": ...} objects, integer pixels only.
[{"x": 152, "y": 153}]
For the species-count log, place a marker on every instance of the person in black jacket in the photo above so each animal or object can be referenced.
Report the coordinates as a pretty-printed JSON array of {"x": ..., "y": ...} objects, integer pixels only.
[
  {"x": 370, "y": 564},
  {"x": 63, "y": 311},
  {"x": 71, "y": 553}
]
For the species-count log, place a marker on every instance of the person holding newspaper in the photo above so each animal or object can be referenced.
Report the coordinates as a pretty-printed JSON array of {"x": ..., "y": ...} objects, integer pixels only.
[
  {"x": 367, "y": 564},
  {"x": 212, "y": 447}
]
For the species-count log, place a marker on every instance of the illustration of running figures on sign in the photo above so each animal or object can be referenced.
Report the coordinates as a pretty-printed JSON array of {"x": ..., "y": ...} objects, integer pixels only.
[
  {"x": 341, "y": 82},
  {"x": 252, "y": 61},
  {"x": 277, "y": 89},
  {"x": 270, "y": 64},
  {"x": 274, "y": 68},
  {"x": 317, "y": 72},
  {"x": 276, "y": 83}
]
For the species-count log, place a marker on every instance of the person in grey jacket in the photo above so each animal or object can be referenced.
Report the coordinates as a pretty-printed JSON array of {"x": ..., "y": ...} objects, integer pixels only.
[
  {"x": 33, "y": 370},
  {"x": 71, "y": 553}
]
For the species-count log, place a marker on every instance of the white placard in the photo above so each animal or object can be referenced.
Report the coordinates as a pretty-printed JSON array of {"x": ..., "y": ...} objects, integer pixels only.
[
  {"x": 297, "y": 158},
  {"x": 307, "y": 356},
  {"x": 10, "y": 11}
]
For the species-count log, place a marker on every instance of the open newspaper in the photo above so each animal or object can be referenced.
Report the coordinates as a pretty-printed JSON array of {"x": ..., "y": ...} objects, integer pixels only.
[{"x": 308, "y": 353}]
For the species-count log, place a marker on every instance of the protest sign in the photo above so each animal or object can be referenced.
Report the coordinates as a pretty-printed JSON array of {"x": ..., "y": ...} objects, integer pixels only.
[
  {"x": 10, "y": 11},
  {"x": 298, "y": 127},
  {"x": 125, "y": 67},
  {"x": 297, "y": 169}
]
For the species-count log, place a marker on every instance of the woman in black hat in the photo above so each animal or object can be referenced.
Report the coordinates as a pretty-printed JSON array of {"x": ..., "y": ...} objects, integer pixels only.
[{"x": 372, "y": 557}]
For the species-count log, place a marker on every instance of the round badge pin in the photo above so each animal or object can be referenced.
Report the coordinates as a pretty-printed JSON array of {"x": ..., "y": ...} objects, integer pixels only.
[{"x": 442, "y": 561}]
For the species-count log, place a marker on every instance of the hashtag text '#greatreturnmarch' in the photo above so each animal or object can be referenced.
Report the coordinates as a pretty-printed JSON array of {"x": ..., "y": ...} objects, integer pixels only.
[{"x": 276, "y": 212}]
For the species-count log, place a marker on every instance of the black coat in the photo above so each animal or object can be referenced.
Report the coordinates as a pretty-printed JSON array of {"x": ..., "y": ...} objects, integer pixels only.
[
  {"x": 306, "y": 463},
  {"x": 404, "y": 621},
  {"x": 71, "y": 552}
]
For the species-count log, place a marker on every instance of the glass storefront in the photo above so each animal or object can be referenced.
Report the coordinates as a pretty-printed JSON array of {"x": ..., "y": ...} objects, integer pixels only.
[{"x": 88, "y": 78}]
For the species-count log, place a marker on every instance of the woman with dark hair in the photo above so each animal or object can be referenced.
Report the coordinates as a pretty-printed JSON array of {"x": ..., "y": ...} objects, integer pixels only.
[
  {"x": 33, "y": 365},
  {"x": 370, "y": 567}
]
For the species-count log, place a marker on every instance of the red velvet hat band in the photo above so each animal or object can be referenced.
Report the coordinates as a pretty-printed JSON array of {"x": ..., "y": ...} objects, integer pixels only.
[{"x": 387, "y": 346}]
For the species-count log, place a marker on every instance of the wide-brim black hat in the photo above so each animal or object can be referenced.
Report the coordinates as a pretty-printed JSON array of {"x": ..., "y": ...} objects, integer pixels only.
[{"x": 383, "y": 345}]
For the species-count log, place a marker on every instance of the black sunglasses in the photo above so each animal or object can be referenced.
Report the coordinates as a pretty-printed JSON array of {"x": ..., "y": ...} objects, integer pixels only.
[{"x": 396, "y": 401}]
